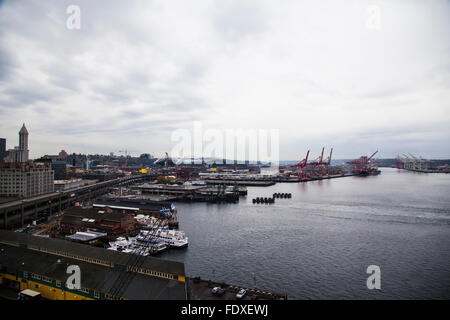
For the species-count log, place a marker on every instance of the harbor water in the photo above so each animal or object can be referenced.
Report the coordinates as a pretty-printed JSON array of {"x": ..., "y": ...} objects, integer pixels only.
[{"x": 319, "y": 243}]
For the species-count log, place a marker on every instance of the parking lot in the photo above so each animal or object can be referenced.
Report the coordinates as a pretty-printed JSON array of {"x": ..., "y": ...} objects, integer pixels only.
[{"x": 201, "y": 290}]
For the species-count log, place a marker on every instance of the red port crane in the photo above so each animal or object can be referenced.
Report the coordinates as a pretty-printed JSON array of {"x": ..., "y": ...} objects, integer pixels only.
[
  {"x": 314, "y": 169},
  {"x": 315, "y": 166},
  {"x": 301, "y": 167},
  {"x": 325, "y": 165},
  {"x": 363, "y": 165}
]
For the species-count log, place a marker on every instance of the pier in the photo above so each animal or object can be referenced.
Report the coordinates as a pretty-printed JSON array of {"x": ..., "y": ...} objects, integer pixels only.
[
  {"x": 200, "y": 289},
  {"x": 239, "y": 182},
  {"x": 192, "y": 193}
]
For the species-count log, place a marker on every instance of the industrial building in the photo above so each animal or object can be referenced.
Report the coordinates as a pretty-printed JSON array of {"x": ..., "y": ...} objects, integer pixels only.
[
  {"x": 40, "y": 264},
  {"x": 112, "y": 222}
]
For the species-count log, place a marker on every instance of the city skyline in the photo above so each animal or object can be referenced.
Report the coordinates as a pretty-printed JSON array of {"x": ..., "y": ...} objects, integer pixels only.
[{"x": 352, "y": 76}]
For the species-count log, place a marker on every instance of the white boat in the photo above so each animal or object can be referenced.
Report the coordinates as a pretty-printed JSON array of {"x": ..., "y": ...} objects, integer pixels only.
[
  {"x": 158, "y": 247},
  {"x": 174, "y": 238},
  {"x": 148, "y": 222},
  {"x": 121, "y": 244},
  {"x": 157, "y": 244},
  {"x": 133, "y": 245}
]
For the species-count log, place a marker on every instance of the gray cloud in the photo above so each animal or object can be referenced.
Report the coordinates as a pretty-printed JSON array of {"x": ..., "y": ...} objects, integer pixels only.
[
  {"x": 7, "y": 65},
  {"x": 138, "y": 70},
  {"x": 238, "y": 20}
]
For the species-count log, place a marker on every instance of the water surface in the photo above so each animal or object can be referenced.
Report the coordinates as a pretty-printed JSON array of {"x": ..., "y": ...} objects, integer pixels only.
[{"x": 319, "y": 243}]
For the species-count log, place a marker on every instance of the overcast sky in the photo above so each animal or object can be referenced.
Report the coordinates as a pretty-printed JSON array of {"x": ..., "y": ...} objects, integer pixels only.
[{"x": 357, "y": 75}]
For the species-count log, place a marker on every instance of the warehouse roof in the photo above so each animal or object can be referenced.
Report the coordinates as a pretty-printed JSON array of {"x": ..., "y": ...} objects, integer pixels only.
[
  {"x": 86, "y": 236},
  {"x": 96, "y": 213},
  {"x": 93, "y": 276},
  {"x": 79, "y": 249}
]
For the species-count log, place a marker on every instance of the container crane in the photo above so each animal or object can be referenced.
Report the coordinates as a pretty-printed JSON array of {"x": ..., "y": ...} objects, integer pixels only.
[
  {"x": 301, "y": 167},
  {"x": 127, "y": 155},
  {"x": 418, "y": 163},
  {"x": 326, "y": 163},
  {"x": 316, "y": 166},
  {"x": 363, "y": 166}
]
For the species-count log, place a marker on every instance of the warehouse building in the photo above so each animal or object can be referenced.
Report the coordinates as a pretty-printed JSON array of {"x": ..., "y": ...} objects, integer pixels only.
[
  {"x": 40, "y": 264},
  {"x": 112, "y": 222}
]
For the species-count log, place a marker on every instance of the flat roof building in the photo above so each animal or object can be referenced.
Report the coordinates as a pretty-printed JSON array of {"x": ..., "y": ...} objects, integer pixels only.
[
  {"x": 40, "y": 264},
  {"x": 106, "y": 220}
]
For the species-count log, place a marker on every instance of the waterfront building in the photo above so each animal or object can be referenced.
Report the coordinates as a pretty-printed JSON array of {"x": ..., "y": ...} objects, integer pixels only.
[
  {"x": 40, "y": 264},
  {"x": 112, "y": 222}
]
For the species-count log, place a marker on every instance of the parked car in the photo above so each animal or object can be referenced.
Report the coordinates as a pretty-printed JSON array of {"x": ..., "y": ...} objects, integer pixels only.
[
  {"x": 218, "y": 291},
  {"x": 240, "y": 294}
]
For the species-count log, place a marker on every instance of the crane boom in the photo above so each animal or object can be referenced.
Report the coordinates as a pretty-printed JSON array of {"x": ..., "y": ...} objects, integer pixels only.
[{"x": 372, "y": 155}]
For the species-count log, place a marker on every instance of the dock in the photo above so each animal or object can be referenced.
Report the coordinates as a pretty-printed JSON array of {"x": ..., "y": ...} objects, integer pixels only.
[
  {"x": 200, "y": 289},
  {"x": 296, "y": 180},
  {"x": 191, "y": 193},
  {"x": 249, "y": 183}
]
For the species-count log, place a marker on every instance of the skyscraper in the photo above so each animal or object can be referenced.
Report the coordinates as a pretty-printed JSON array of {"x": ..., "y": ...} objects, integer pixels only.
[
  {"x": 20, "y": 153},
  {"x": 22, "y": 178},
  {"x": 2, "y": 149},
  {"x": 23, "y": 144}
]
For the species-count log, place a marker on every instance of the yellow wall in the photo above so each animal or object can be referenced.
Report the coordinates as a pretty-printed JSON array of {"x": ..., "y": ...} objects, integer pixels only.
[{"x": 47, "y": 292}]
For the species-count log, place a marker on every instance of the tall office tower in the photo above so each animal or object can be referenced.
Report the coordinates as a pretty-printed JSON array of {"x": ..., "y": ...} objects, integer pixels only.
[
  {"x": 23, "y": 145},
  {"x": 21, "y": 152},
  {"x": 2, "y": 149}
]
